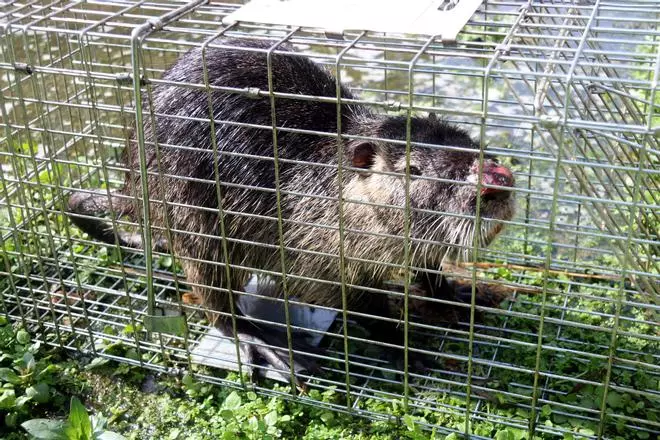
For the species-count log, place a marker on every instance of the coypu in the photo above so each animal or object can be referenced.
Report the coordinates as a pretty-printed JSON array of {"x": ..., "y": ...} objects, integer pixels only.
[{"x": 373, "y": 219}]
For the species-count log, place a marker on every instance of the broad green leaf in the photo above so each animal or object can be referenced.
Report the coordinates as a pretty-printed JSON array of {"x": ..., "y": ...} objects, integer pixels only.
[
  {"x": 165, "y": 261},
  {"x": 187, "y": 380},
  {"x": 327, "y": 417},
  {"x": 7, "y": 399},
  {"x": 28, "y": 361},
  {"x": 22, "y": 400},
  {"x": 546, "y": 410},
  {"x": 409, "y": 422},
  {"x": 40, "y": 392},
  {"x": 79, "y": 420},
  {"x": 9, "y": 375},
  {"x": 109, "y": 435},
  {"x": 228, "y": 435},
  {"x": 99, "y": 422},
  {"x": 50, "y": 369},
  {"x": 614, "y": 400},
  {"x": 96, "y": 362},
  {"x": 22, "y": 337},
  {"x": 233, "y": 401},
  {"x": 504, "y": 435},
  {"x": 271, "y": 418},
  {"x": 45, "y": 429}
]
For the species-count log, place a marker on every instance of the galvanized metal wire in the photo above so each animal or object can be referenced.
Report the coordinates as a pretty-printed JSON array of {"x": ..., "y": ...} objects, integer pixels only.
[{"x": 566, "y": 92}]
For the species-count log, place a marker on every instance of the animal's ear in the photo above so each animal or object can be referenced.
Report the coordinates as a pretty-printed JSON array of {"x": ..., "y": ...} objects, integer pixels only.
[{"x": 364, "y": 155}]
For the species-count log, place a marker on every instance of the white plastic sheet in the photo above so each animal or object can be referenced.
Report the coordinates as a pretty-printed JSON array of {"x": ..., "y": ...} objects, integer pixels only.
[{"x": 426, "y": 17}]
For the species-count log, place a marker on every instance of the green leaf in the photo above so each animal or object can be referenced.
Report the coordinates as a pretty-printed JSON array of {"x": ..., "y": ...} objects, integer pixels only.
[
  {"x": 233, "y": 401},
  {"x": 227, "y": 414},
  {"x": 504, "y": 435},
  {"x": 45, "y": 429},
  {"x": 172, "y": 325},
  {"x": 253, "y": 424},
  {"x": 28, "y": 361},
  {"x": 165, "y": 261},
  {"x": 49, "y": 370},
  {"x": 327, "y": 417},
  {"x": 8, "y": 399},
  {"x": 271, "y": 418},
  {"x": 79, "y": 420},
  {"x": 22, "y": 400},
  {"x": 228, "y": 435},
  {"x": 109, "y": 435},
  {"x": 98, "y": 423},
  {"x": 22, "y": 337},
  {"x": 187, "y": 380},
  {"x": 614, "y": 400},
  {"x": 11, "y": 419},
  {"x": 586, "y": 431},
  {"x": 409, "y": 422},
  {"x": 9, "y": 375},
  {"x": 96, "y": 362},
  {"x": 40, "y": 393},
  {"x": 546, "y": 410}
]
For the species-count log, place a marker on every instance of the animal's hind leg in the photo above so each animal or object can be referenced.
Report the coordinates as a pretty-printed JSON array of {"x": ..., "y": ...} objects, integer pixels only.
[
  {"x": 255, "y": 343},
  {"x": 391, "y": 333}
]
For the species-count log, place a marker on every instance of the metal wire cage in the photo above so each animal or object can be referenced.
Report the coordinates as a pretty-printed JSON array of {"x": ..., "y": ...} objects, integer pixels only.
[{"x": 563, "y": 92}]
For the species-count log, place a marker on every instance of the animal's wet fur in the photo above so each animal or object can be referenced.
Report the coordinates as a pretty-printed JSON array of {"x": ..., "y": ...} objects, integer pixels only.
[{"x": 182, "y": 130}]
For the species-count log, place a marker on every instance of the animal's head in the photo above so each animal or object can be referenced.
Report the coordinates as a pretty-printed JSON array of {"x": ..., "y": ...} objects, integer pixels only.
[{"x": 444, "y": 172}]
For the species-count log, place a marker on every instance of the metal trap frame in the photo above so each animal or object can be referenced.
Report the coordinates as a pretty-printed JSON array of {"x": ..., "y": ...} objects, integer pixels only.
[{"x": 565, "y": 91}]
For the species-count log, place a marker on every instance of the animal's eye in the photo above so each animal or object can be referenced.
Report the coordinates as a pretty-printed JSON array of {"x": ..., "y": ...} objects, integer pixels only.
[{"x": 414, "y": 171}]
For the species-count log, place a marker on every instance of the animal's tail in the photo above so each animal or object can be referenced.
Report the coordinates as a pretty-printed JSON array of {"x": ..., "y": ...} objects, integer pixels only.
[{"x": 84, "y": 208}]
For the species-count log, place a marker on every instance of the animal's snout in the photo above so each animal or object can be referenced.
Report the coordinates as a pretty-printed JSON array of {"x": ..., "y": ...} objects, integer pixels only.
[{"x": 494, "y": 174}]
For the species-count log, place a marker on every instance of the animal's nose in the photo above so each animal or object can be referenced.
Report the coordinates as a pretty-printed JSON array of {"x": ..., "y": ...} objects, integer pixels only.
[
  {"x": 499, "y": 175},
  {"x": 494, "y": 174}
]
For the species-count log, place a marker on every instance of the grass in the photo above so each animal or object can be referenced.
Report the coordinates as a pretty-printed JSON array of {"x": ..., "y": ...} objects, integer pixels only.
[{"x": 140, "y": 405}]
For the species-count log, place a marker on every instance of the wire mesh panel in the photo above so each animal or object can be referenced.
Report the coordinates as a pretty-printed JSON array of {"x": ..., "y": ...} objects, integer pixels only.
[{"x": 298, "y": 173}]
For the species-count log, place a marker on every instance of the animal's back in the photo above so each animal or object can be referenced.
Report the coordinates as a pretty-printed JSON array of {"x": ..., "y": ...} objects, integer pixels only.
[
  {"x": 185, "y": 161},
  {"x": 182, "y": 120}
]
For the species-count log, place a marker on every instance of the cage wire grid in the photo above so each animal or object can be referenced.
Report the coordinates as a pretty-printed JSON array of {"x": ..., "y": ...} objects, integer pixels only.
[{"x": 564, "y": 92}]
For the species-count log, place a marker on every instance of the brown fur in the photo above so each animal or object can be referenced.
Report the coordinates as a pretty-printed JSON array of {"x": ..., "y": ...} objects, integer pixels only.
[{"x": 373, "y": 244}]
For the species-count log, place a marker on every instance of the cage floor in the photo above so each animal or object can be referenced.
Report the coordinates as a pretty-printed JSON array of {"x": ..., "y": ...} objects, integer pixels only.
[{"x": 99, "y": 310}]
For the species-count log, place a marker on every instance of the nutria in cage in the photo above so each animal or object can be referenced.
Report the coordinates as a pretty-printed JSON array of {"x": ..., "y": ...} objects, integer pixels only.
[{"x": 443, "y": 193}]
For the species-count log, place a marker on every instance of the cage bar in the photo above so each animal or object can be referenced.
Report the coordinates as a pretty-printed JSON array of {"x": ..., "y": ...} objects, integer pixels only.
[{"x": 565, "y": 93}]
